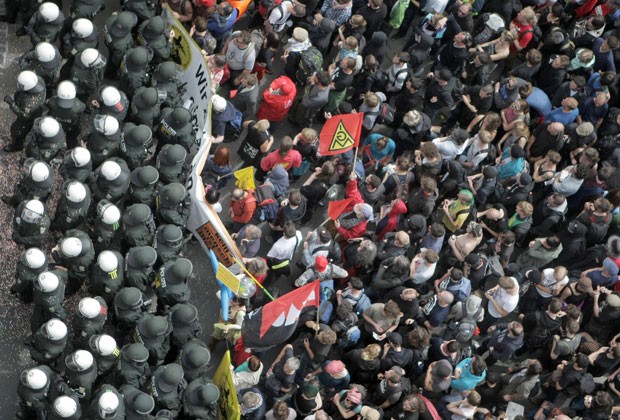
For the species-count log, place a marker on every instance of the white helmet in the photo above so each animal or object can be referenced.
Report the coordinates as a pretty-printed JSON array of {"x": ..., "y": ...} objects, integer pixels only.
[
  {"x": 107, "y": 404},
  {"x": 79, "y": 360},
  {"x": 46, "y": 282},
  {"x": 55, "y": 329},
  {"x": 103, "y": 343},
  {"x": 65, "y": 406},
  {"x": 33, "y": 211},
  {"x": 110, "y": 96},
  {"x": 35, "y": 258},
  {"x": 107, "y": 261},
  {"x": 39, "y": 172},
  {"x": 66, "y": 90},
  {"x": 27, "y": 80},
  {"x": 49, "y": 127},
  {"x": 110, "y": 170},
  {"x": 82, "y": 28},
  {"x": 71, "y": 247},
  {"x": 91, "y": 57},
  {"x": 80, "y": 156},
  {"x": 89, "y": 307},
  {"x": 106, "y": 124},
  {"x": 49, "y": 12},
  {"x": 45, "y": 52},
  {"x": 108, "y": 212},
  {"x": 34, "y": 378},
  {"x": 75, "y": 191}
]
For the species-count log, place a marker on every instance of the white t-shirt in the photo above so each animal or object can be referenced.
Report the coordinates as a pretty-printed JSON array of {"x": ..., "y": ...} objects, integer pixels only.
[
  {"x": 549, "y": 281},
  {"x": 468, "y": 411},
  {"x": 506, "y": 301}
]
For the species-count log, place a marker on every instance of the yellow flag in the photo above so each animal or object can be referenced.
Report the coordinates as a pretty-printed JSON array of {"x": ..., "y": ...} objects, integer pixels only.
[
  {"x": 228, "y": 404},
  {"x": 245, "y": 178}
]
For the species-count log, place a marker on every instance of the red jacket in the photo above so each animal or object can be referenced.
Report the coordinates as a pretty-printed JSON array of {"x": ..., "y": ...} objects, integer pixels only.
[
  {"x": 277, "y": 100},
  {"x": 243, "y": 210},
  {"x": 357, "y": 231},
  {"x": 390, "y": 222}
]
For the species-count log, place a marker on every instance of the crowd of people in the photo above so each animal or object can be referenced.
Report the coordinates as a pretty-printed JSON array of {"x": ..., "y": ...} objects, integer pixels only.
[{"x": 472, "y": 274}]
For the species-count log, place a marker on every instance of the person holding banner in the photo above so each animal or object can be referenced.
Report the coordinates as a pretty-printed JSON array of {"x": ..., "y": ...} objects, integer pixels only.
[{"x": 229, "y": 330}]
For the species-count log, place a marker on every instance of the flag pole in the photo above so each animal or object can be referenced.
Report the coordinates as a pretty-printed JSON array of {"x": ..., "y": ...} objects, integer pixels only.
[{"x": 252, "y": 277}]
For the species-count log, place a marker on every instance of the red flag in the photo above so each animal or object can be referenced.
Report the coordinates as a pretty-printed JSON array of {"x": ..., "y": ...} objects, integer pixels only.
[
  {"x": 341, "y": 133},
  {"x": 335, "y": 208},
  {"x": 275, "y": 322}
]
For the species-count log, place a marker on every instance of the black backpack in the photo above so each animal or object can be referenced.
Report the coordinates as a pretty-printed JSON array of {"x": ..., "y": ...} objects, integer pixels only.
[
  {"x": 539, "y": 337},
  {"x": 266, "y": 204},
  {"x": 334, "y": 252},
  {"x": 537, "y": 37},
  {"x": 402, "y": 189},
  {"x": 598, "y": 230},
  {"x": 310, "y": 63}
]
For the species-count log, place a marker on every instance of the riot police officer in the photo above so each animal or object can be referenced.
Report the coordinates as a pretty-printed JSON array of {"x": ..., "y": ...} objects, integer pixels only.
[
  {"x": 138, "y": 405},
  {"x": 129, "y": 307},
  {"x": 30, "y": 264},
  {"x": 144, "y": 9},
  {"x": 83, "y": 34},
  {"x": 49, "y": 298},
  {"x": 185, "y": 326},
  {"x": 135, "y": 69},
  {"x": 45, "y": 60},
  {"x": 27, "y": 105},
  {"x": 167, "y": 78},
  {"x": 45, "y": 25},
  {"x": 110, "y": 101},
  {"x": 107, "y": 404},
  {"x": 171, "y": 284},
  {"x": 81, "y": 372},
  {"x": 154, "y": 35},
  {"x": 102, "y": 138},
  {"x": 106, "y": 275},
  {"x": 111, "y": 180},
  {"x": 134, "y": 144},
  {"x": 154, "y": 332},
  {"x": 31, "y": 223},
  {"x": 132, "y": 368},
  {"x": 32, "y": 390},
  {"x": 91, "y": 315},
  {"x": 65, "y": 108},
  {"x": 118, "y": 38},
  {"x": 65, "y": 407},
  {"x": 175, "y": 127},
  {"x": 75, "y": 252},
  {"x": 106, "y": 224},
  {"x": 86, "y": 9},
  {"x": 73, "y": 205},
  {"x": 167, "y": 387},
  {"x": 139, "y": 264},
  {"x": 170, "y": 163},
  {"x": 200, "y": 399},
  {"x": 104, "y": 350},
  {"x": 195, "y": 358},
  {"x": 49, "y": 342},
  {"x": 45, "y": 139},
  {"x": 36, "y": 183},
  {"x": 76, "y": 165},
  {"x": 168, "y": 242},
  {"x": 142, "y": 187},
  {"x": 138, "y": 226},
  {"x": 86, "y": 72},
  {"x": 172, "y": 206},
  {"x": 146, "y": 106}
]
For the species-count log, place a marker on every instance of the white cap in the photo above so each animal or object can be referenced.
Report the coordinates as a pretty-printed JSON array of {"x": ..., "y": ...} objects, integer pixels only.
[
  {"x": 110, "y": 96},
  {"x": 107, "y": 261},
  {"x": 66, "y": 90},
  {"x": 27, "y": 79},
  {"x": 35, "y": 258},
  {"x": 34, "y": 378},
  {"x": 75, "y": 191},
  {"x": 65, "y": 406},
  {"x": 89, "y": 307},
  {"x": 49, "y": 12},
  {"x": 71, "y": 247},
  {"x": 36, "y": 207},
  {"x": 106, "y": 124},
  {"x": 45, "y": 52},
  {"x": 49, "y": 126},
  {"x": 103, "y": 343},
  {"x": 39, "y": 172},
  {"x": 82, "y": 27},
  {"x": 110, "y": 170},
  {"x": 56, "y": 329},
  {"x": 80, "y": 156},
  {"x": 79, "y": 360},
  {"x": 108, "y": 404},
  {"x": 46, "y": 282},
  {"x": 90, "y": 56},
  {"x": 110, "y": 214}
]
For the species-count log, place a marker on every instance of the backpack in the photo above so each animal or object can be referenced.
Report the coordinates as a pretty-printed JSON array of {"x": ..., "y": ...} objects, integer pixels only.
[
  {"x": 464, "y": 329},
  {"x": 385, "y": 114},
  {"x": 310, "y": 63},
  {"x": 362, "y": 304},
  {"x": 537, "y": 37},
  {"x": 334, "y": 251},
  {"x": 472, "y": 214},
  {"x": 258, "y": 38},
  {"x": 402, "y": 188},
  {"x": 539, "y": 336},
  {"x": 597, "y": 230},
  {"x": 266, "y": 203},
  {"x": 489, "y": 26}
]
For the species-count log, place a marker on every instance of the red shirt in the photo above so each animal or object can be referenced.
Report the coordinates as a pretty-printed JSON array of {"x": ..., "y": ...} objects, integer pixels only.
[
  {"x": 523, "y": 36},
  {"x": 292, "y": 160}
]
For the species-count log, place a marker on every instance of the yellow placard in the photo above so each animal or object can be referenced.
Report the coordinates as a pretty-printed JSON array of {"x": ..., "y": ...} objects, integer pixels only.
[
  {"x": 227, "y": 277},
  {"x": 228, "y": 408}
]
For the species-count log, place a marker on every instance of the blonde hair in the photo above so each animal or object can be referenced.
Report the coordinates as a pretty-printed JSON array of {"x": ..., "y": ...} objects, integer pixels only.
[
  {"x": 351, "y": 43},
  {"x": 371, "y": 352},
  {"x": 371, "y": 99},
  {"x": 530, "y": 15},
  {"x": 525, "y": 207},
  {"x": 262, "y": 125},
  {"x": 309, "y": 135},
  {"x": 485, "y": 136}
]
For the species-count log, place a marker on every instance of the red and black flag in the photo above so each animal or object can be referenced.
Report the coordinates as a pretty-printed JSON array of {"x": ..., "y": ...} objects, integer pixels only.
[{"x": 275, "y": 322}]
